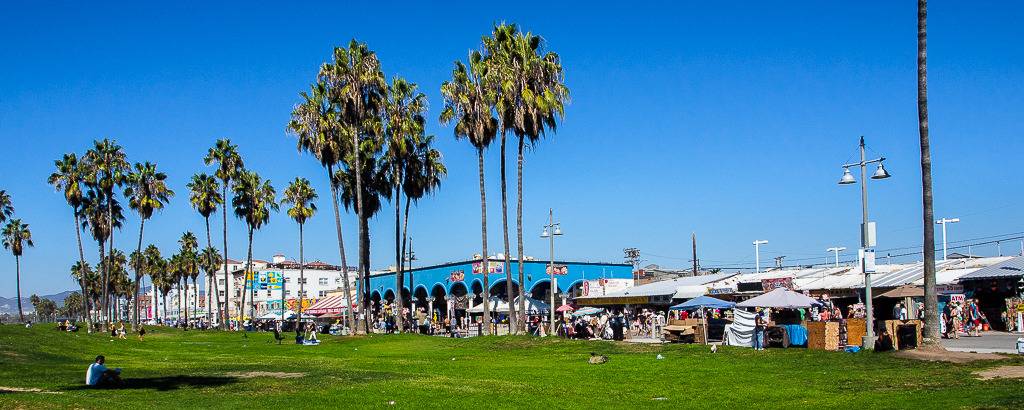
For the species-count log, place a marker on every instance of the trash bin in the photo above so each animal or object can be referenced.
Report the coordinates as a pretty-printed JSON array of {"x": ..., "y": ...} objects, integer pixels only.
[{"x": 1020, "y": 345}]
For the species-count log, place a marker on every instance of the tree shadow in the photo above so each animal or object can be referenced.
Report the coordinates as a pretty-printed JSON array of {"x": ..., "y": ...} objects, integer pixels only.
[{"x": 165, "y": 383}]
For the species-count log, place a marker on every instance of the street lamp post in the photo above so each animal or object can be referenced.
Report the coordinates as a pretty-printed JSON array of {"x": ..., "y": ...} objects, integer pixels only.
[
  {"x": 944, "y": 222},
  {"x": 836, "y": 250},
  {"x": 757, "y": 254},
  {"x": 867, "y": 231},
  {"x": 555, "y": 230}
]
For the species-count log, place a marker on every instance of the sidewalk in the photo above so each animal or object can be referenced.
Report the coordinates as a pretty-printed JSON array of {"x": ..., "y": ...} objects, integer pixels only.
[{"x": 988, "y": 342}]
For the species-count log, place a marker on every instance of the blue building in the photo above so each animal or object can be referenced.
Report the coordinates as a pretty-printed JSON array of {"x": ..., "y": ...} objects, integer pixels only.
[{"x": 437, "y": 287}]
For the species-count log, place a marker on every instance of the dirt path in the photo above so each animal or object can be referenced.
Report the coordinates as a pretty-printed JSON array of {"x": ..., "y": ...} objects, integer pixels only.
[
  {"x": 1001, "y": 372},
  {"x": 942, "y": 355}
]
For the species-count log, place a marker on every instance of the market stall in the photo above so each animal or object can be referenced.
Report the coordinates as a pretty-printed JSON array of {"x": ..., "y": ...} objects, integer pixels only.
[
  {"x": 783, "y": 334},
  {"x": 680, "y": 330}
]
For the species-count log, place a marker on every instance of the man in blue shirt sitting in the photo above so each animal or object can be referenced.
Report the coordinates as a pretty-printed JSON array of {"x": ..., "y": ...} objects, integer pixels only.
[{"x": 99, "y": 376}]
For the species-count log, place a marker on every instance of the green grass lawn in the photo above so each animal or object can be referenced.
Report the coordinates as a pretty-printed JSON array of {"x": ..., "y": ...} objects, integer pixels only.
[{"x": 205, "y": 369}]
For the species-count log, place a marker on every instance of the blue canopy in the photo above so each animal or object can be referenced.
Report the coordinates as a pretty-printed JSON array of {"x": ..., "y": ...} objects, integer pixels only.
[{"x": 703, "y": 301}]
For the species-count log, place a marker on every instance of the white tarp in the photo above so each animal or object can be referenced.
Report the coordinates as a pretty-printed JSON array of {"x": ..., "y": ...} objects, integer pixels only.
[
  {"x": 741, "y": 331},
  {"x": 780, "y": 298}
]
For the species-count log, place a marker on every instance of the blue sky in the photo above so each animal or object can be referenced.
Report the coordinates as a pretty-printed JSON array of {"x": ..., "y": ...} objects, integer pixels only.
[{"x": 730, "y": 120}]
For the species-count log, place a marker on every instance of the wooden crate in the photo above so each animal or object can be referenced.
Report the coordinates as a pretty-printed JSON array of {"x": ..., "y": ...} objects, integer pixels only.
[{"x": 823, "y": 335}]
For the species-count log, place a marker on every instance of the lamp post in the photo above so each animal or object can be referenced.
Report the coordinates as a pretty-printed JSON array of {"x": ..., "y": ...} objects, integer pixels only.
[
  {"x": 757, "y": 255},
  {"x": 555, "y": 230},
  {"x": 867, "y": 231},
  {"x": 944, "y": 222},
  {"x": 836, "y": 250}
]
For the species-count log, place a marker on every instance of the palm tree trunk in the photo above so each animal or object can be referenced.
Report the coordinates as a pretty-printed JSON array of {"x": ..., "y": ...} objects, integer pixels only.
[
  {"x": 519, "y": 226},
  {"x": 110, "y": 253},
  {"x": 302, "y": 284},
  {"x": 81, "y": 281},
  {"x": 512, "y": 318},
  {"x": 349, "y": 317},
  {"x": 214, "y": 299},
  {"x": 399, "y": 251},
  {"x": 103, "y": 282},
  {"x": 364, "y": 285},
  {"x": 163, "y": 316},
  {"x": 359, "y": 211},
  {"x": 248, "y": 269},
  {"x": 483, "y": 235},
  {"x": 227, "y": 283},
  {"x": 931, "y": 320},
  {"x": 405, "y": 241},
  {"x": 138, "y": 274},
  {"x": 17, "y": 283}
]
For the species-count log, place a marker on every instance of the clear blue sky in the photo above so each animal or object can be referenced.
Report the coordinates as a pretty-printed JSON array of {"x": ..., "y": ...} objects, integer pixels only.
[{"x": 730, "y": 120}]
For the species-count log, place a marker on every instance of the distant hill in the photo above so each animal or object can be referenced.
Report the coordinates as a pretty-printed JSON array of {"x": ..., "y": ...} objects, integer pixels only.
[{"x": 10, "y": 305}]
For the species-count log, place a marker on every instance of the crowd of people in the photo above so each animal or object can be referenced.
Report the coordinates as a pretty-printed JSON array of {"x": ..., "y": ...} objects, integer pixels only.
[{"x": 965, "y": 317}]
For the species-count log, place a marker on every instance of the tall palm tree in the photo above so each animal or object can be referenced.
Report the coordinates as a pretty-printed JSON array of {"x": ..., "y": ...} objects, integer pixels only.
[
  {"x": 189, "y": 261},
  {"x": 116, "y": 273},
  {"x": 254, "y": 199},
  {"x": 531, "y": 98},
  {"x": 205, "y": 197},
  {"x": 423, "y": 176},
  {"x": 931, "y": 309},
  {"x": 356, "y": 84},
  {"x": 376, "y": 187},
  {"x": 467, "y": 103},
  {"x": 147, "y": 192},
  {"x": 16, "y": 236},
  {"x": 108, "y": 166},
  {"x": 6, "y": 207},
  {"x": 101, "y": 217},
  {"x": 315, "y": 121},
  {"x": 210, "y": 262},
  {"x": 405, "y": 109},
  {"x": 137, "y": 260},
  {"x": 301, "y": 195},
  {"x": 69, "y": 178},
  {"x": 229, "y": 166},
  {"x": 164, "y": 281}
]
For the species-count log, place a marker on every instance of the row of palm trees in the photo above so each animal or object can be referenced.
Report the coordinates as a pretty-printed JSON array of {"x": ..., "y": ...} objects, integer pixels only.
[{"x": 511, "y": 84}]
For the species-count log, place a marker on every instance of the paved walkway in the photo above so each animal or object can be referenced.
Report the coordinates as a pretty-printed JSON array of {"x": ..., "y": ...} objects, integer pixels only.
[{"x": 989, "y": 342}]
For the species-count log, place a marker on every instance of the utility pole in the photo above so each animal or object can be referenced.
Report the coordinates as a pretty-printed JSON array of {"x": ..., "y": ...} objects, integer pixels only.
[
  {"x": 693, "y": 238},
  {"x": 778, "y": 261}
]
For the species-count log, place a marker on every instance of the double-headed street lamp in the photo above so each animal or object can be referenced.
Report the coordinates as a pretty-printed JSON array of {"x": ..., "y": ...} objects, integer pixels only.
[
  {"x": 757, "y": 254},
  {"x": 867, "y": 231},
  {"x": 836, "y": 250},
  {"x": 943, "y": 222},
  {"x": 551, "y": 230}
]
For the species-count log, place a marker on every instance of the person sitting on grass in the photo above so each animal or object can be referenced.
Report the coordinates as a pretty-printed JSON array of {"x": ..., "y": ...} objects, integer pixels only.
[{"x": 99, "y": 375}]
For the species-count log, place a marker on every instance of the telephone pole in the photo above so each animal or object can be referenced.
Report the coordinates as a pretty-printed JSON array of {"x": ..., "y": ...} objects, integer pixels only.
[{"x": 693, "y": 238}]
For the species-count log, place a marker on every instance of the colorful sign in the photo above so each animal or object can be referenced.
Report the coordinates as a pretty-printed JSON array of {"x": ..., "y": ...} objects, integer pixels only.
[
  {"x": 957, "y": 298},
  {"x": 271, "y": 280},
  {"x": 457, "y": 275},
  {"x": 775, "y": 283},
  {"x": 492, "y": 268},
  {"x": 601, "y": 287},
  {"x": 721, "y": 291},
  {"x": 558, "y": 269}
]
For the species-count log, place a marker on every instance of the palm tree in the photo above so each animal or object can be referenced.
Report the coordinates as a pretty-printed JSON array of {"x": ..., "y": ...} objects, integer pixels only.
[
  {"x": 16, "y": 236},
  {"x": 210, "y": 262},
  {"x": 253, "y": 201},
  {"x": 189, "y": 262},
  {"x": 155, "y": 266},
  {"x": 301, "y": 195},
  {"x": 356, "y": 84},
  {"x": 316, "y": 124},
  {"x": 108, "y": 166},
  {"x": 931, "y": 309},
  {"x": 69, "y": 178},
  {"x": 423, "y": 176},
  {"x": 467, "y": 103},
  {"x": 163, "y": 280},
  {"x": 101, "y": 217},
  {"x": 531, "y": 96},
  {"x": 229, "y": 166},
  {"x": 405, "y": 110},
  {"x": 6, "y": 207},
  {"x": 147, "y": 192},
  {"x": 81, "y": 272},
  {"x": 114, "y": 265},
  {"x": 205, "y": 197}
]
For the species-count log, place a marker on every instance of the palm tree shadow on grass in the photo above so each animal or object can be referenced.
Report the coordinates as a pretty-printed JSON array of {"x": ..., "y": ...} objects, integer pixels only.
[{"x": 165, "y": 383}]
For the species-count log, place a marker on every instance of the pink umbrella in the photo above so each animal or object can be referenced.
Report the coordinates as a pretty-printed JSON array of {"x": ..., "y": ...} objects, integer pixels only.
[{"x": 565, "y": 308}]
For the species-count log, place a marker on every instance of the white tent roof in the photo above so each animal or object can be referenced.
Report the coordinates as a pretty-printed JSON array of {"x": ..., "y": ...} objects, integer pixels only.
[
  {"x": 677, "y": 288},
  {"x": 780, "y": 298}
]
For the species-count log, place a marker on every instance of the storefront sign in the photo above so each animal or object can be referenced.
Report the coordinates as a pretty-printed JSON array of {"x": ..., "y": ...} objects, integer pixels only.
[
  {"x": 601, "y": 287},
  {"x": 949, "y": 289},
  {"x": 775, "y": 283},
  {"x": 457, "y": 276},
  {"x": 558, "y": 269},
  {"x": 721, "y": 291},
  {"x": 492, "y": 268},
  {"x": 957, "y": 298}
]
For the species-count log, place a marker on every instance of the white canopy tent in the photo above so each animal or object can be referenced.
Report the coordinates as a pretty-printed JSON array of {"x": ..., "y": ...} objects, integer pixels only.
[{"x": 780, "y": 298}]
